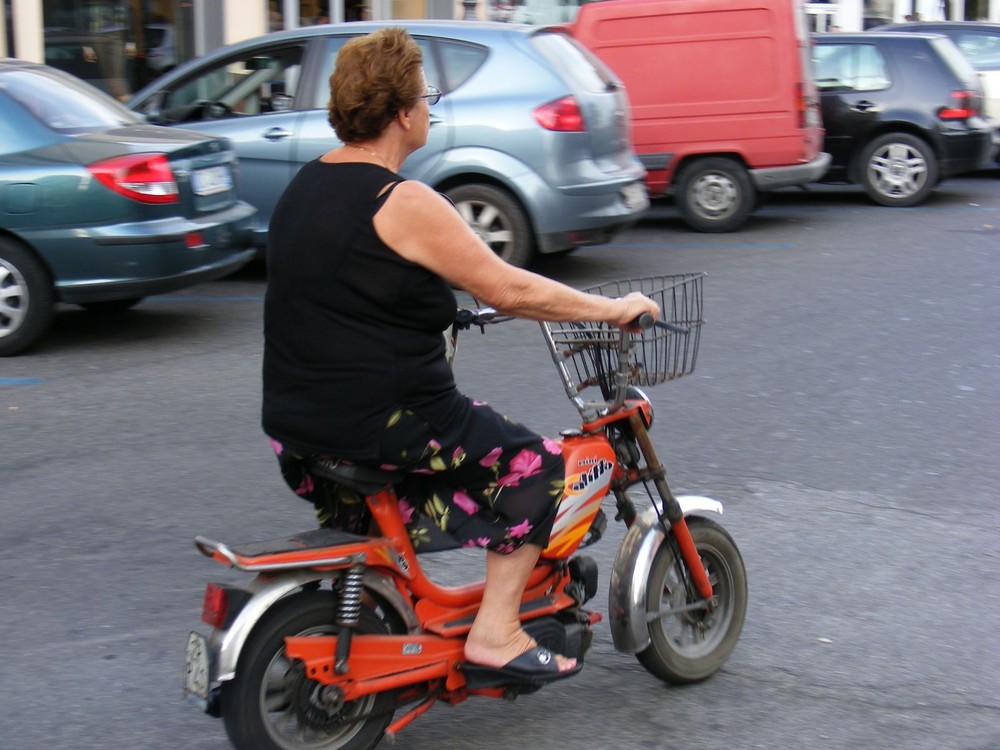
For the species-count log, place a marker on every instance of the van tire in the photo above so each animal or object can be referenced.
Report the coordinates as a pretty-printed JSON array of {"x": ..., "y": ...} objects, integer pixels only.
[
  {"x": 898, "y": 169},
  {"x": 497, "y": 219},
  {"x": 27, "y": 298},
  {"x": 715, "y": 195}
]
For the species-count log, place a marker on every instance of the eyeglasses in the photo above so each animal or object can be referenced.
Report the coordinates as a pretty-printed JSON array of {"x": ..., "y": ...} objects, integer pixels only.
[{"x": 433, "y": 95}]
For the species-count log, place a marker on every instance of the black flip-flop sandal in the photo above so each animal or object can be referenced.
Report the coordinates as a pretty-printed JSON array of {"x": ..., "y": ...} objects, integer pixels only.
[{"x": 536, "y": 666}]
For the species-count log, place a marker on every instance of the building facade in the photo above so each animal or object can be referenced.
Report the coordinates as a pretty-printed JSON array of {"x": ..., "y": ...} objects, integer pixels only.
[{"x": 120, "y": 45}]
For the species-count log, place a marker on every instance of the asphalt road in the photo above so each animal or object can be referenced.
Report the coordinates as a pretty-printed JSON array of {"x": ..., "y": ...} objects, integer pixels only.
[{"x": 845, "y": 409}]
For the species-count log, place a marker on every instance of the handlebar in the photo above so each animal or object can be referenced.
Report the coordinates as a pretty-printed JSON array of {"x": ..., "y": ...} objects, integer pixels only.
[
  {"x": 644, "y": 321},
  {"x": 647, "y": 321},
  {"x": 466, "y": 318},
  {"x": 482, "y": 317}
]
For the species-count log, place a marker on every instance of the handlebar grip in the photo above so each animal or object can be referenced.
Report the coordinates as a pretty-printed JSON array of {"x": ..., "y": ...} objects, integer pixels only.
[{"x": 644, "y": 321}]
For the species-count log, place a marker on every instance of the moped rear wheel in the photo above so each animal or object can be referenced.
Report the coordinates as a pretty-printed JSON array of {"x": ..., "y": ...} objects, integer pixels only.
[
  {"x": 271, "y": 705},
  {"x": 688, "y": 645}
]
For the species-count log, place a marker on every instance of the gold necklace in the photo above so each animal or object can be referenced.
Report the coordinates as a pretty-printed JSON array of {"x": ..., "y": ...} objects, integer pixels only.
[{"x": 369, "y": 151}]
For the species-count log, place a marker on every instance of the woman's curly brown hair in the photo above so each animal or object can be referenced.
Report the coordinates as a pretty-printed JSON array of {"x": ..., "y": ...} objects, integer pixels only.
[{"x": 375, "y": 77}]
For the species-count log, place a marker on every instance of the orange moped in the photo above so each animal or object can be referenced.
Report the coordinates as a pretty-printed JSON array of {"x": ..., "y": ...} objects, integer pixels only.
[{"x": 342, "y": 639}]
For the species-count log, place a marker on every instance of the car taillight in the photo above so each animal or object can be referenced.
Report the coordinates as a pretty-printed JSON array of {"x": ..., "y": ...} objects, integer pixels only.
[
  {"x": 146, "y": 178},
  {"x": 562, "y": 115},
  {"x": 964, "y": 104}
]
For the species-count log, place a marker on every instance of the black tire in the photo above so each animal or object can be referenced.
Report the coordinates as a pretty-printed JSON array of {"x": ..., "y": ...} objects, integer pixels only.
[
  {"x": 27, "y": 298},
  {"x": 271, "y": 705},
  {"x": 691, "y": 646},
  {"x": 898, "y": 169},
  {"x": 499, "y": 221},
  {"x": 715, "y": 194},
  {"x": 111, "y": 305}
]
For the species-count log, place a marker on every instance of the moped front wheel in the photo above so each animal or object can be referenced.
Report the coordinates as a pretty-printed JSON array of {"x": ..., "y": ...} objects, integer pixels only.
[
  {"x": 271, "y": 705},
  {"x": 687, "y": 643}
]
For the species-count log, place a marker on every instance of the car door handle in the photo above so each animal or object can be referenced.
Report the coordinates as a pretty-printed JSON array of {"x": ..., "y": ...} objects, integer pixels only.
[
  {"x": 276, "y": 134},
  {"x": 863, "y": 106}
]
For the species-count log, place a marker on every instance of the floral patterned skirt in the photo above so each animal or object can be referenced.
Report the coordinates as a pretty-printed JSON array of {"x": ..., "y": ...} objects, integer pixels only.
[{"x": 483, "y": 482}]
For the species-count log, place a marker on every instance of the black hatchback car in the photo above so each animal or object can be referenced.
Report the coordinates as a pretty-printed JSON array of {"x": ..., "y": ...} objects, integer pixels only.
[{"x": 901, "y": 112}]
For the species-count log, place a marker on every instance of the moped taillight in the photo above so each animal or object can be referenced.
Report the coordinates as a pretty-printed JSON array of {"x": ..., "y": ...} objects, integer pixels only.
[{"x": 221, "y": 604}]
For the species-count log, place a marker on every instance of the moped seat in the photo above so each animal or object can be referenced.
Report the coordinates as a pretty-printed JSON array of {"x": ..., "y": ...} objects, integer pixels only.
[{"x": 364, "y": 479}]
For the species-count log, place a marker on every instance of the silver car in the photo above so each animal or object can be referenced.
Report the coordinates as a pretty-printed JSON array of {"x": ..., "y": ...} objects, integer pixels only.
[{"x": 530, "y": 139}]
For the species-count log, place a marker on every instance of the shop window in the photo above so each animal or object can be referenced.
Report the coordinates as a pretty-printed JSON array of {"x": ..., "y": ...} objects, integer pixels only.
[
  {"x": 311, "y": 12},
  {"x": 117, "y": 46}
]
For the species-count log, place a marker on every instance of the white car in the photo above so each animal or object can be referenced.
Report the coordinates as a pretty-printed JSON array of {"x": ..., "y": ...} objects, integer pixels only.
[{"x": 160, "y": 54}]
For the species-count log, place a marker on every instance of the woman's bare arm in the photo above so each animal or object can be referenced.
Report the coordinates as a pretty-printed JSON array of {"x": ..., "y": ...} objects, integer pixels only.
[{"x": 425, "y": 228}]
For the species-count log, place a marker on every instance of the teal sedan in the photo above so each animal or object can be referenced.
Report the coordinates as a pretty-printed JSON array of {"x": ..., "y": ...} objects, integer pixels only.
[{"x": 100, "y": 209}]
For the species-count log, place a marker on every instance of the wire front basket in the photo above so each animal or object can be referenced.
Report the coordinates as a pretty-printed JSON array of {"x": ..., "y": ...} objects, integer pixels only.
[{"x": 592, "y": 350}]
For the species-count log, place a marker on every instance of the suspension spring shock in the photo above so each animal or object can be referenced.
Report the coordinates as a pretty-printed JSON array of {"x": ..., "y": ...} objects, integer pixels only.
[
  {"x": 349, "y": 608},
  {"x": 348, "y": 613}
]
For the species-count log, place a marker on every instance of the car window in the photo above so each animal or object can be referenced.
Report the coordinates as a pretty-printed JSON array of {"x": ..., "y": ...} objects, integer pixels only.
[
  {"x": 323, "y": 89},
  {"x": 458, "y": 62},
  {"x": 858, "y": 67},
  {"x": 431, "y": 69},
  {"x": 955, "y": 59},
  {"x": 63, "y": 103},
  {"x": 580, "y": 67},
  {"x": 255, "y": 83}
]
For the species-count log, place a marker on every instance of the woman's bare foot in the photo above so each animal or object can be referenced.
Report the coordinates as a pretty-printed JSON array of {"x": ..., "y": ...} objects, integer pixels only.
[{"x": 496, "y": 635}]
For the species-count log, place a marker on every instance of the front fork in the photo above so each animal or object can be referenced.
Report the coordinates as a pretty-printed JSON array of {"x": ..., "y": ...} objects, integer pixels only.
[{"x": 671, "y": 509}]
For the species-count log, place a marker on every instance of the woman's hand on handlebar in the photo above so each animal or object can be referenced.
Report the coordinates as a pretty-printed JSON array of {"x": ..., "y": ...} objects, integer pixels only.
[{"x": 633, "y": 306}]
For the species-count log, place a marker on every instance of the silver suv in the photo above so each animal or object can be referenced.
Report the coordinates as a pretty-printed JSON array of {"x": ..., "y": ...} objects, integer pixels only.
[{"x": 530, "y": 139}]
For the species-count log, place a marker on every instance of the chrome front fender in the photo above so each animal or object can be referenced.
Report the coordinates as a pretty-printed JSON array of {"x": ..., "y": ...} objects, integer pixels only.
[
  {"x": 633, "y": 564},
  {"x": 226, "y": 645}
]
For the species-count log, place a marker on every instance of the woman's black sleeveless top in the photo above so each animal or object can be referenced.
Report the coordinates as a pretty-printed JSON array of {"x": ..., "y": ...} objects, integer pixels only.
[{"x": 352, "y": 330}]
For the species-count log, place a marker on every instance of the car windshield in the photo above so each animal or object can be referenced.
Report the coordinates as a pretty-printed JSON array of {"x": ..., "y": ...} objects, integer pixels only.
[{"x": 62, "y": 103}]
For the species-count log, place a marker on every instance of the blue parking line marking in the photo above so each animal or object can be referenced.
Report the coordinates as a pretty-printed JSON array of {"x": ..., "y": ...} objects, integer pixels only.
[{"x": 21, "y": 381}]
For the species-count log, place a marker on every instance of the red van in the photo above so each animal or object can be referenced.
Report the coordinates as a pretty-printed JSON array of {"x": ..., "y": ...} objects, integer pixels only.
[{"x": 723, "y": 102}]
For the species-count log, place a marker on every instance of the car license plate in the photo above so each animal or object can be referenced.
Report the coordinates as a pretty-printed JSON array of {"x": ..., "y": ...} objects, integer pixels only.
[
  {"x": 196, "y": 667},
  {"x": 635, "y": 197},
  {"x": 212, "y": 180}
]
